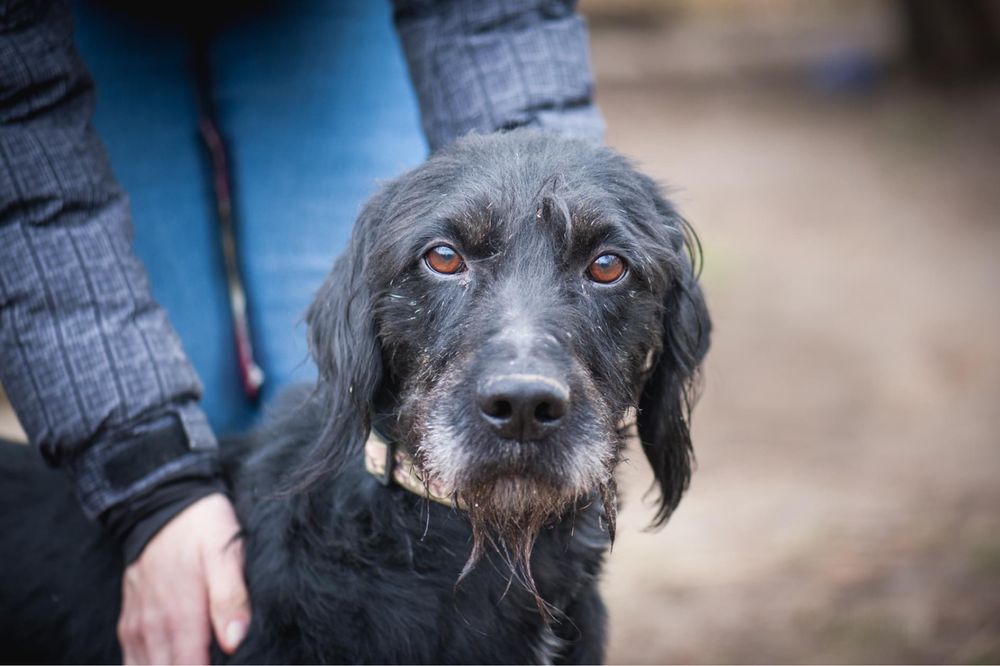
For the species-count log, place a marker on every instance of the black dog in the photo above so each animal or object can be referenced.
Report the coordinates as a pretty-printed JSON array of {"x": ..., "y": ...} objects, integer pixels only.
[{"x": 501, "y": 315}]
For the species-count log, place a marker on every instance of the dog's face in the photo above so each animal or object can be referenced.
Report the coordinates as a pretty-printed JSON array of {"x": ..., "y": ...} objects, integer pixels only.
[{"x": 502, "y": 310}]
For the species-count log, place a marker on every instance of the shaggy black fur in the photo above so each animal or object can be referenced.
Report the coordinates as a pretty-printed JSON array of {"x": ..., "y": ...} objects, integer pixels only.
[{"x": 342, "y": 569}]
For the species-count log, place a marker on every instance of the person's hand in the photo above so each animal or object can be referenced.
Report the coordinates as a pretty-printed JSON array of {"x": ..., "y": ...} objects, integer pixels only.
[{"x": 187, "y": 582}]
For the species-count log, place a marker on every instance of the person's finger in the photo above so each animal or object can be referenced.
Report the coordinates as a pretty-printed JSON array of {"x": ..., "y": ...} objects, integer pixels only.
[
  {"x": 155, "y": 636},
  {"x": 189, "y": 629},
  {"x": 228, "y": 601},
  {"x": 130, "y": 623},
  {"x": 189, "y": 638},
  {"x": 130, "y": 639}
]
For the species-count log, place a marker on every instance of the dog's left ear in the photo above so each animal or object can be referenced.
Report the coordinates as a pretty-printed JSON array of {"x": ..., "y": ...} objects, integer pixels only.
[
  {"x": 344, "y": 343},
  {"x": 669, "y": 392}
]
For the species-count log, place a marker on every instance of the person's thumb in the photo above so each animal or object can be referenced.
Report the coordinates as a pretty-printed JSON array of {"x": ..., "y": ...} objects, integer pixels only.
[{"x": 228, "y": 601}]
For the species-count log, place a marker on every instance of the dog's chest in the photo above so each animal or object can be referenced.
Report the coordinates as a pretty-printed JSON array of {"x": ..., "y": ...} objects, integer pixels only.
[{"x": 366, "y": 584}]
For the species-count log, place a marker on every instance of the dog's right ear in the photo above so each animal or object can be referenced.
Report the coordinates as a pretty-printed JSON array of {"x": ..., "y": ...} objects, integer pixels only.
[{"x": 344, "y": 343}]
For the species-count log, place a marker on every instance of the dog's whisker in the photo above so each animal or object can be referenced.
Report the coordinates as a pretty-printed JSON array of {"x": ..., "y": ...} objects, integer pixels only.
[
  {"x": 427, "y": 519},
  {"x": 510, "y": 583}
]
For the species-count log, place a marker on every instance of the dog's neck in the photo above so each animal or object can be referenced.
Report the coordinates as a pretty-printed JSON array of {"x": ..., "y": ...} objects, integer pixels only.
[{"x": 389, "y": 464}]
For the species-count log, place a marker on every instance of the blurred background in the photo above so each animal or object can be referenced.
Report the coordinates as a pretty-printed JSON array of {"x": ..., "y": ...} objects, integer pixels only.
[
  {"x": 841, "y": 163},
  {"x": 840, "y": 160}
]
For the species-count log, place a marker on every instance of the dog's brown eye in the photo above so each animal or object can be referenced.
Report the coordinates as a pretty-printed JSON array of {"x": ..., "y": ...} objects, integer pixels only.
[
  {"x": 606, "y": 269},
  {"x": 444, "y": 259}
]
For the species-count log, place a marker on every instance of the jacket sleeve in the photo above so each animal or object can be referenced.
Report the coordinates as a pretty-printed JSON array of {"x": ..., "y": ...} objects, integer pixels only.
[
  {"x": 89, "y": 361},
  {"x": 489, "y": 66}
]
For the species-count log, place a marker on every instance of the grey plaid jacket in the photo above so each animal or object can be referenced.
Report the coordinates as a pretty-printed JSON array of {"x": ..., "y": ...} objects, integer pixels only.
[{"x": 90, "y": 362}]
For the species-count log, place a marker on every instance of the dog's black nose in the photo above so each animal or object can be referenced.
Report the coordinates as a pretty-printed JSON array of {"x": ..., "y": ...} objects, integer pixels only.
[{"x": 523, "y": 406}]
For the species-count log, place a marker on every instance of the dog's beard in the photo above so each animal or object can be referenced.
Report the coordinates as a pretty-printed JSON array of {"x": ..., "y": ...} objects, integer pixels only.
[
  {"x": 508, "y": 513},
  {"x": 508, "y": 509}
]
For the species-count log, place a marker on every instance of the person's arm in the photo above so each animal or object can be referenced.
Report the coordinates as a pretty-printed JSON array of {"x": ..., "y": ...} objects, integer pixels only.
[
  {"x": 488, "y": 66},
  {"x": 88, "y": 359}
]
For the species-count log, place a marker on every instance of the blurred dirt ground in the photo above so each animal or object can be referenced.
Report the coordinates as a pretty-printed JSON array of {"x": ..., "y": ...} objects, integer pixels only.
[{"x": 845, "y": 506}]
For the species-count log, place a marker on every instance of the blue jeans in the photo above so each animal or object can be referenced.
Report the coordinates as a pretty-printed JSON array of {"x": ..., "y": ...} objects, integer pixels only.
[{"x": 314, "y": 100}]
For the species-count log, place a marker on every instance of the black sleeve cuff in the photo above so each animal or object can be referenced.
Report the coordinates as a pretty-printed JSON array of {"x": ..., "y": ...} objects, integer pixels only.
[
  {"x": 138, "y": 457},
  {"x": 136, "y": 522}
]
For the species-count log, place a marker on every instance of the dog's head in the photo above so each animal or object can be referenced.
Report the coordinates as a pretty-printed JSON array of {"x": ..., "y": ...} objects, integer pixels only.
[{"x": 510, "y": 303}]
